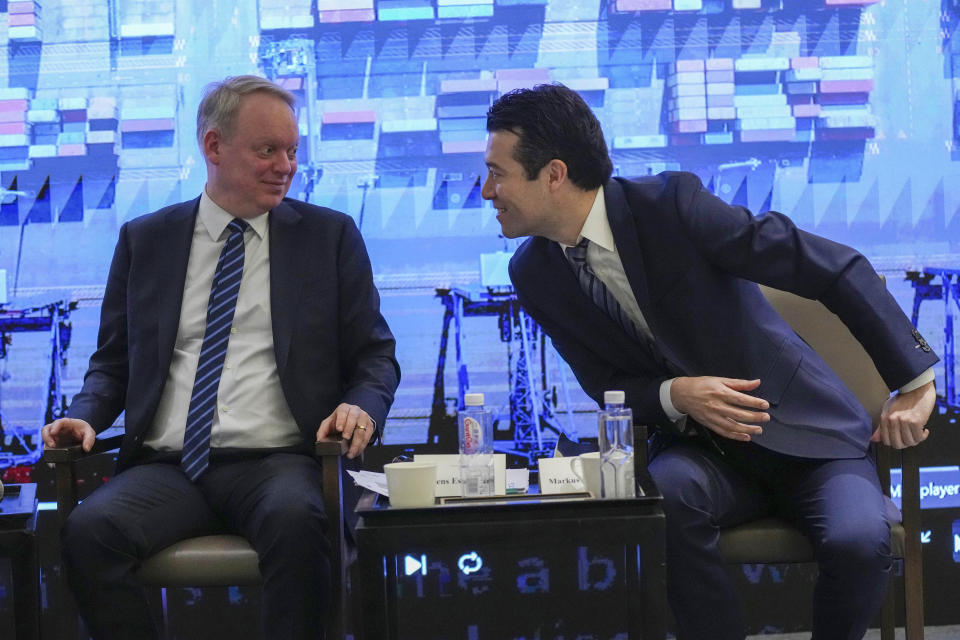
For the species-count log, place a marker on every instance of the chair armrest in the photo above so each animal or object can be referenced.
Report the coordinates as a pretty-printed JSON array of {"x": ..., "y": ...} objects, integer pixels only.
[
  {"x": 74, "y": 452},
  {"x": 329, "y": 447},
  {"x": 910, "y": 493},
  {"x": 331, "y": 452},
  {"x": 909, "y": 460},
  {"x": 887, "y": 458},
  {"x": 63, "y": 459},
  {"x": 910, "y": 517}
]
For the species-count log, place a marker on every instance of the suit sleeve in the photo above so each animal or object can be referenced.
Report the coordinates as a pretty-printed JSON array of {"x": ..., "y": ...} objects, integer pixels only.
[
  {"x": 771, "y": 250},
  {"x": 103, "y": 395},
  {"x": 367, "y": 350}
]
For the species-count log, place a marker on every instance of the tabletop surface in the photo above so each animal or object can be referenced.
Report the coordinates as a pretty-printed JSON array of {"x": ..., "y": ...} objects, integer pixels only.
[{"x": 373, "y": 507}]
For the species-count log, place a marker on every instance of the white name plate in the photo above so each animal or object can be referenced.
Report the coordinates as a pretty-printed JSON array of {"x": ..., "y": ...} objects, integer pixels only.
[
  {"x": 556, "y": 476},
  {"x": 448, "y": 473}
]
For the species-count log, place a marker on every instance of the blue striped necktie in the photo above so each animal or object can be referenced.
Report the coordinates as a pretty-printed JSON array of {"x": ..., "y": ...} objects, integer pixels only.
[
  {"x": 220, "y": 309},
  {"x": 598, "y": 292}
]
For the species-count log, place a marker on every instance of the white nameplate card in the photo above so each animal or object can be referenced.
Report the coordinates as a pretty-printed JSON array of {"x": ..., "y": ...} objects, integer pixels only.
[
  {"x": 448, "y": 473},
  {"x": 556, "y": 476}
]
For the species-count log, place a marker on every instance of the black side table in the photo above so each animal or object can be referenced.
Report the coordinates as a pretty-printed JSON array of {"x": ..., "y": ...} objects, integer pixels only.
[
  {"x": 18, "y": 543},
  {"x": 512, "y": 564}
]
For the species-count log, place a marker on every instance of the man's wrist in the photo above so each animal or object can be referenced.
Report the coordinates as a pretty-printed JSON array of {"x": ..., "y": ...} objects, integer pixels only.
[
  {"x": 666, "y": 402},
  {"x": 924, "y": 378}
]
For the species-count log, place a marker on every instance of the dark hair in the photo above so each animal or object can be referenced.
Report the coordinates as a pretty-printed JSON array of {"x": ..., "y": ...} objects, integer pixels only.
[{"x": 553, "y": 121}]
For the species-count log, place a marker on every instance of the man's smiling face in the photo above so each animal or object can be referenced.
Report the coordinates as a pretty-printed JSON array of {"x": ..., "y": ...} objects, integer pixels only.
[{"x": 520, "y": 203}]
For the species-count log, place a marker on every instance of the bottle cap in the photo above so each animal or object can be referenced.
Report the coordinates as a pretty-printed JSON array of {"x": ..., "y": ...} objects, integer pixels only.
[
  {"x": 614, "y": 397},
  {"x": 473, "y": 399}
]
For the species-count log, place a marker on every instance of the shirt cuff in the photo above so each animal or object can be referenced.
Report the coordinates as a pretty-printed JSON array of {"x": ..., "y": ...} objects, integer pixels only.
[
  {"x": 667, "y": 404},
  {"x": 916, "y": 383}
]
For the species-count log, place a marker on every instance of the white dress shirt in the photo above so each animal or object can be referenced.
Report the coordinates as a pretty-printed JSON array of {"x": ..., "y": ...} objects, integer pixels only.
[
  {"x": 251, "y": 410},
  {"x": 604, "y": 259}
]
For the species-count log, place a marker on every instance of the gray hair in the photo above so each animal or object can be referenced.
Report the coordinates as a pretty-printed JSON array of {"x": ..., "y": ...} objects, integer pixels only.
[{"x": 221, "y": 100}]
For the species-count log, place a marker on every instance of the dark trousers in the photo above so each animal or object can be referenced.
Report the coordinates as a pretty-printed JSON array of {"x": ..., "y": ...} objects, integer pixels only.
[
  {"x": 274, "y": 501},
  {"x": 838, "y": 505}
]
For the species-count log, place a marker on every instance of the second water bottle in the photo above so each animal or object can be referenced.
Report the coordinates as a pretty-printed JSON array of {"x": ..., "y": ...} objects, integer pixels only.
[
  {"x": 615, "y": 437},
  {"x": 476, "y": 447}
]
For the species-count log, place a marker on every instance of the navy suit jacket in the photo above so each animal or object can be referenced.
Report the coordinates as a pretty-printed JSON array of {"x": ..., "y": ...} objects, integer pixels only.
[
  {"x": 332, "y": 345},
  {"x": 692, "y": 262}
]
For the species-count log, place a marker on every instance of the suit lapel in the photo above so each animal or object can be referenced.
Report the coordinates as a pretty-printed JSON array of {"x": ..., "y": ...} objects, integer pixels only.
[
  {"x": 171, "y": 257},
  {"x": 286, "y": 275},
  {"x": 624, "y": 226},
  {"x": 628, "y": 245},
  {"x": 558, "y": 293}
]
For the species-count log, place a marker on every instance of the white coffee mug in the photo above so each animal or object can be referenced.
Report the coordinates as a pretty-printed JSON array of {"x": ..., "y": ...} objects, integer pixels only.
[
  {"x": 411, "y": 484},
  {"x": 586, "y": 466}
]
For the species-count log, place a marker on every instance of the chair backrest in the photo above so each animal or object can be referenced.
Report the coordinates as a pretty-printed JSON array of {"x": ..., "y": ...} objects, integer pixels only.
[
  {"x": 770, "y": 540},
  {"x": 831, "y": 339}
]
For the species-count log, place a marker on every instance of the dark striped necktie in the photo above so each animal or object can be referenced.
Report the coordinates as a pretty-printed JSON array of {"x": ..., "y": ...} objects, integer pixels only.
[
  {"x": 220, "y": 309},
  {"x": 599, "y": 293}
]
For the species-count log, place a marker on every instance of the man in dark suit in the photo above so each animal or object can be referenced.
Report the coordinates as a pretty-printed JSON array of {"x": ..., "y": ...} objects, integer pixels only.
[
  {"x": 649, "y": 286},
  {"x": 236, "y": 329}
]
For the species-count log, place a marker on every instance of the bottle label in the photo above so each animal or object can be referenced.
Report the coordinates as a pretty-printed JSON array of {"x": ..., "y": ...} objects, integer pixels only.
[{"x": 472, "y": 434}]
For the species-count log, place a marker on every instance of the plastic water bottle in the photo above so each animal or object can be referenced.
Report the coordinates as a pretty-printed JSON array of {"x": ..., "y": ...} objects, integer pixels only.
[
  {"x": 476, "y": 447},
  {"x": 616, "y": 447}
]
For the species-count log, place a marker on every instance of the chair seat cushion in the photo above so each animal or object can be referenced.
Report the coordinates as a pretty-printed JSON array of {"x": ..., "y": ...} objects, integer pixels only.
[
  {"x": 773, "y": 540},
  {"x": 220, "y": 560}
]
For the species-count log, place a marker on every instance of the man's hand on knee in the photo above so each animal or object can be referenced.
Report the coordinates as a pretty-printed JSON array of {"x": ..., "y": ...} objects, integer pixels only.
[
  {"x": 904, "y": 417},
  {"x": 721, "y": 405},
  {"x": 68, "y": 431}
]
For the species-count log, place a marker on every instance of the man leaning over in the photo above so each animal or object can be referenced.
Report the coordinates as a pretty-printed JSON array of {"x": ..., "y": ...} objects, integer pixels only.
[{"x": 648, "y": 286}]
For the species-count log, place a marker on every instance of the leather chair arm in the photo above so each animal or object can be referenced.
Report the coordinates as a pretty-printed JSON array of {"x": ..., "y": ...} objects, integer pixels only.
[
  {"x": 63, "y": 459},
  {"x": 74, "y": 452},
  {"x": 330, "y": 447}
]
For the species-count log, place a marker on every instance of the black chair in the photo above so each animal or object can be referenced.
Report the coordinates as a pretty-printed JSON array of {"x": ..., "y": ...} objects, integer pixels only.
[
  {"x": 218, "y": 560},
  {"x": 772, "y": 540}
]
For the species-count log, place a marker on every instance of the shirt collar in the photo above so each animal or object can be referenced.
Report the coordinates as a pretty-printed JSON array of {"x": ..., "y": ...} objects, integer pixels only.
[
  {"x": 596, "y": 228},
  {"x": 215, "y": 219}
]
